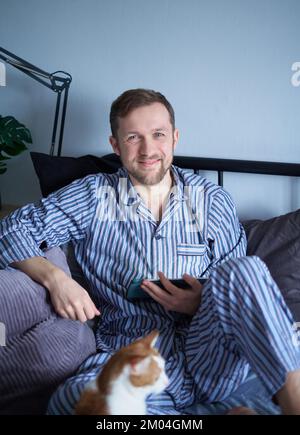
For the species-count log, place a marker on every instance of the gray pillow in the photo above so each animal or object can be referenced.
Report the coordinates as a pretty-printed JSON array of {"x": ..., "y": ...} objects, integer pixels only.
[
  {"x": 277, "y": 242},
  {"x": 42, "y": 349}
]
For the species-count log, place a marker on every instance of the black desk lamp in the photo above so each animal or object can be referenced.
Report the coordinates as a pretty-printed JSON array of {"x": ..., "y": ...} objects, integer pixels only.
[{"x": 58, "y": 81}]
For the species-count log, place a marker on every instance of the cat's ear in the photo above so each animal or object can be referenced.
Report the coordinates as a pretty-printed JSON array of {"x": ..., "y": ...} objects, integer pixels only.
[{"x": 152, "y": 338}]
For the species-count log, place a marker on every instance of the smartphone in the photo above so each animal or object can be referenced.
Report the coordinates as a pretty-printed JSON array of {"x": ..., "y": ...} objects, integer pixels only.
[{"x": 136, "y": 292}]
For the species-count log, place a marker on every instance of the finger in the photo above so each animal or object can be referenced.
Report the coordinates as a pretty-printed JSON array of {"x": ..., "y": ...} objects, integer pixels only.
[
  {"x": 156, "y": 293},
  {"x": 163, "y": 294},
  {"x": 155, "y": 289},
  {"x": 89, "y": 311},
  {"x": 70, "y": 312},
  {"x": 91, "y": 306},
  {"x": 172, "y": 289},
  {"x": 80, "y": 314},
  {"x": 96, "y": 311},
  {"x": 192, "y": 281}
]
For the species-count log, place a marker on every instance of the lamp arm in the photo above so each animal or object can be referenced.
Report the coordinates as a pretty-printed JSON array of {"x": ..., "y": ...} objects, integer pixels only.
[
  {"x": 36, "y": 72},
  {"x": 58, "y": 81}
]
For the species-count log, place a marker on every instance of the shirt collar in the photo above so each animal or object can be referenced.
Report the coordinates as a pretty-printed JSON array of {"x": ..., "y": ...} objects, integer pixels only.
[
  {"x": 177, "y": 192},
  {"x": 127, "y": 193}
]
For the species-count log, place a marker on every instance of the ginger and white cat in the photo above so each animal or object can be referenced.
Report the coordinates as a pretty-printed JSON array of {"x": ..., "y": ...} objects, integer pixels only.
[{"x": 130, "y": 375}]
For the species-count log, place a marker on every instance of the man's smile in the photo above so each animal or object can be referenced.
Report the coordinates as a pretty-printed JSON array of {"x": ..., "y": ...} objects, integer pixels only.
[{"x": 149, "y": 163}]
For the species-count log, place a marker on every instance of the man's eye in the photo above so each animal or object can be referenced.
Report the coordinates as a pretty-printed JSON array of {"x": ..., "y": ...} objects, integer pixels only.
[
  {"x": 132, "y": 138},
  {"x": 159, "y": 134}
]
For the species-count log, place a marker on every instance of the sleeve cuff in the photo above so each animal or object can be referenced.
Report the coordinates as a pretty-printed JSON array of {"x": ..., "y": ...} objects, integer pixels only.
[{"x": 17, "y": 247}]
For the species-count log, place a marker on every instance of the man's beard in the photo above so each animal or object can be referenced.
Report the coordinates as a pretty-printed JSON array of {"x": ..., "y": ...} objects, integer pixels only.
[{"x": 154, "y": 176}]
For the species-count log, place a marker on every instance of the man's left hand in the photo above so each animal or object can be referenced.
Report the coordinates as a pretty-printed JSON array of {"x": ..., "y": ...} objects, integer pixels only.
[{"x": 173, "y": 298}]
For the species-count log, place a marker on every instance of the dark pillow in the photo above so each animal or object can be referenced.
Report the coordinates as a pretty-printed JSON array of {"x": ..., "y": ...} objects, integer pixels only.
[
  {"x": 277, "y": 242},
  {"x": 55, "y": 172}
]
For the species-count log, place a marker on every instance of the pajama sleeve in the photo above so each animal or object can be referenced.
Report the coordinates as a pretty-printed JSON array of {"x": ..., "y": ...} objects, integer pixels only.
[{"x": 63, "y": 216}]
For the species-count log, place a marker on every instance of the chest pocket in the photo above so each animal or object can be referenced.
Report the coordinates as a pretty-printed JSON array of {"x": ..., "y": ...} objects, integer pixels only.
[
  {"x": 191, "y": 249},
  {"x": 192, "y": 258}
]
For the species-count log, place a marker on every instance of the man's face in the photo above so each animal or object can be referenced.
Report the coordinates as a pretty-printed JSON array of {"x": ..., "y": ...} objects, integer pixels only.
[{"x": 146, "y": 143}]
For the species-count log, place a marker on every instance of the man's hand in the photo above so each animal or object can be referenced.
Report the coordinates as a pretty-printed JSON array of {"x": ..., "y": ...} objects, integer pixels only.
[
  {"x": 174, "y": 298},
  {"x": 69, "y": 299}
]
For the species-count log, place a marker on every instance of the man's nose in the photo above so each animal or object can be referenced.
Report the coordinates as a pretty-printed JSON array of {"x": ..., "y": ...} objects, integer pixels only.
[{"x": 147, "y": 145}]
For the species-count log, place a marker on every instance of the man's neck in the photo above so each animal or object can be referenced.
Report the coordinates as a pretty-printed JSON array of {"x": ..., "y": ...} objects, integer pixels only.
[{"x": 155, "y": 196}]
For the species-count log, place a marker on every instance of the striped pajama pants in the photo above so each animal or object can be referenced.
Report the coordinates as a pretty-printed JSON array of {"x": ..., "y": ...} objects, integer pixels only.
[{"x": 242, "y": 322}]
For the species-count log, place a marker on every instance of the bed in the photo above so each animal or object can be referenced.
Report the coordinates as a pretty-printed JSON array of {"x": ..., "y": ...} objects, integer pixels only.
[{"x": 276, "y": 241}]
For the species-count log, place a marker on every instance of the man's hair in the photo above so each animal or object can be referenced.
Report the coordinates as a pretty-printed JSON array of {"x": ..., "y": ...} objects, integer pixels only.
[{"x": 132, "y": 99}]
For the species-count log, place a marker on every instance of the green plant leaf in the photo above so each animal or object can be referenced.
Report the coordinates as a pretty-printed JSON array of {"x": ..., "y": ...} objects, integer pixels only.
[
  {"x": 2, "y": 157},
  {"x": 13, "y": 134},
  {"x": 15, "y": 149},
  {"x": 24, "y": 134}
]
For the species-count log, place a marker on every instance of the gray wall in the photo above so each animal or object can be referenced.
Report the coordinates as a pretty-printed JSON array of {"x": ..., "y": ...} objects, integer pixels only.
[{"x": 224, "y": 65}]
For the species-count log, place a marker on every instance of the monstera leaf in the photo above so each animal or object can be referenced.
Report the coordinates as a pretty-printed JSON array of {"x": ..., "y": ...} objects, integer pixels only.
[{"x": 13, "y": 136}]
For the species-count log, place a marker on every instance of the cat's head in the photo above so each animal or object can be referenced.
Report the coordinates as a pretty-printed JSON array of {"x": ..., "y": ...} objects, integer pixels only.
[{"x": 138, "y": 367}]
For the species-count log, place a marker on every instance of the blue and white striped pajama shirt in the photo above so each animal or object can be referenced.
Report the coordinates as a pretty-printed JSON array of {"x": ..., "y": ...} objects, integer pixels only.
[{"x": 242, "y": 320}]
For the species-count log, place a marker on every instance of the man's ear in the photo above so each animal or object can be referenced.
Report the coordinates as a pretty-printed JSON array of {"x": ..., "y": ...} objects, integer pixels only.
[
  {"x": 114, "y": 143},
  {"x": 175, "y": 137}
]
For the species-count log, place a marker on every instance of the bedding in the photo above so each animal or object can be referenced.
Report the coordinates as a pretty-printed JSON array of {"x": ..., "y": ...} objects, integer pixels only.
[{"x": 276, "y": 241}]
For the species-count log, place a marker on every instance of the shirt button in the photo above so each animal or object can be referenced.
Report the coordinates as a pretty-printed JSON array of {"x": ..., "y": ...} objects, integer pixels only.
[{"x": 158, "y": 237}]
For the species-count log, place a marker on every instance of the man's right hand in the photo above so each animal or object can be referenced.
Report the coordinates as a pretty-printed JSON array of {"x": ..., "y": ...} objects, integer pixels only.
[{"x": 69, "y": 299}]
